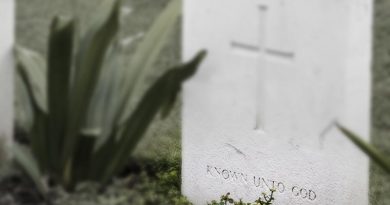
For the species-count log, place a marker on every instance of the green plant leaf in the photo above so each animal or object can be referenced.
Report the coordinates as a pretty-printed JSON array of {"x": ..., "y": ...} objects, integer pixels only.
[
  {"x": 146, "y": 55},
  {"x": 88, "y": 66},
  {"x": 24, "y": 158},
  {"x": 159, "y": 95},
  {"x": 371, "y": 151},
  {"x": 24, "y": 111},
  {"x": 87, "y": 102},
  {"x": 118, "y": 84},
  {"x": 101, "y": 158},
  {"x": 32, "y": 68},
  {"x": 105, "y": 100},
  {"x": 38, "y": 139},
  {"x": 58, "y": 75},
  {"x": 84, "y": 155}
]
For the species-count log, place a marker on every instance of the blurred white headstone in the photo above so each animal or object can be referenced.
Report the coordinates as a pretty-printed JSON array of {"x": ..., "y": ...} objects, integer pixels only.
[
  {"x": 6, "y": 73},
  {"x": 260, "y": 112}
]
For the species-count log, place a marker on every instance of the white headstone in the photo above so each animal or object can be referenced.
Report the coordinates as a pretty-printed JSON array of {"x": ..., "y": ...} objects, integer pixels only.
[
  {"x": 6, "y": 73},
  {"x": 260, "y": 112}
]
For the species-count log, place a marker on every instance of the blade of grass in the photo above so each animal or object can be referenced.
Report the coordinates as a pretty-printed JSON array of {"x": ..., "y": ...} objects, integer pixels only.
[
  {"x": 24, "y": 112},
  {"x": 29, "y": 165},
  {"x": 371, "y": 151},
  {"x": 89, "y": 64},
  {"x": 33, "y": 69},
  {"x": 59, "y": 71},
  {"x": 146, "y": 55},
  {"x": 84, "y": 155},
  {"x": 101, "y": 158},
  {"x": 159, "y": 95},
  {"x": 105, "y": 98}
]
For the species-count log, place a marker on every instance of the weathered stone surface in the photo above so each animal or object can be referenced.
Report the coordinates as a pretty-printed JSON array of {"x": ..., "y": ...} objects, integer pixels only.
[{"x": 260, "y": 113}]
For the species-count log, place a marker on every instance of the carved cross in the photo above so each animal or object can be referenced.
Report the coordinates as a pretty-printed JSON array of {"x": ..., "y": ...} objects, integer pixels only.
[{"x": 273, "y": 43}]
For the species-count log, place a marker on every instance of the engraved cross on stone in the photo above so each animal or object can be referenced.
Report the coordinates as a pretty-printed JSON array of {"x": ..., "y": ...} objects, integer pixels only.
[{"x": 273, "y": 44}]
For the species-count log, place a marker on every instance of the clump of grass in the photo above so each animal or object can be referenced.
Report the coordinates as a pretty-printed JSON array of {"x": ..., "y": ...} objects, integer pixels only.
[
  {"x": 145, "y": 181},
  {"x": 85, "y": 126},
  {"x": 264, "y": 199},
  {"x": 154, "y": 182}
]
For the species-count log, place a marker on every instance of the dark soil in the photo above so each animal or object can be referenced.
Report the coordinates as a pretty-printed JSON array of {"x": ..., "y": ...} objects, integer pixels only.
[{"x": 17, "y": 190}]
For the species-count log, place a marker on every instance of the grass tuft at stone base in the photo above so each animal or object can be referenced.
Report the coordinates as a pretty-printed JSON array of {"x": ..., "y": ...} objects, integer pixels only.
[{"x": 144, "y": 182}]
